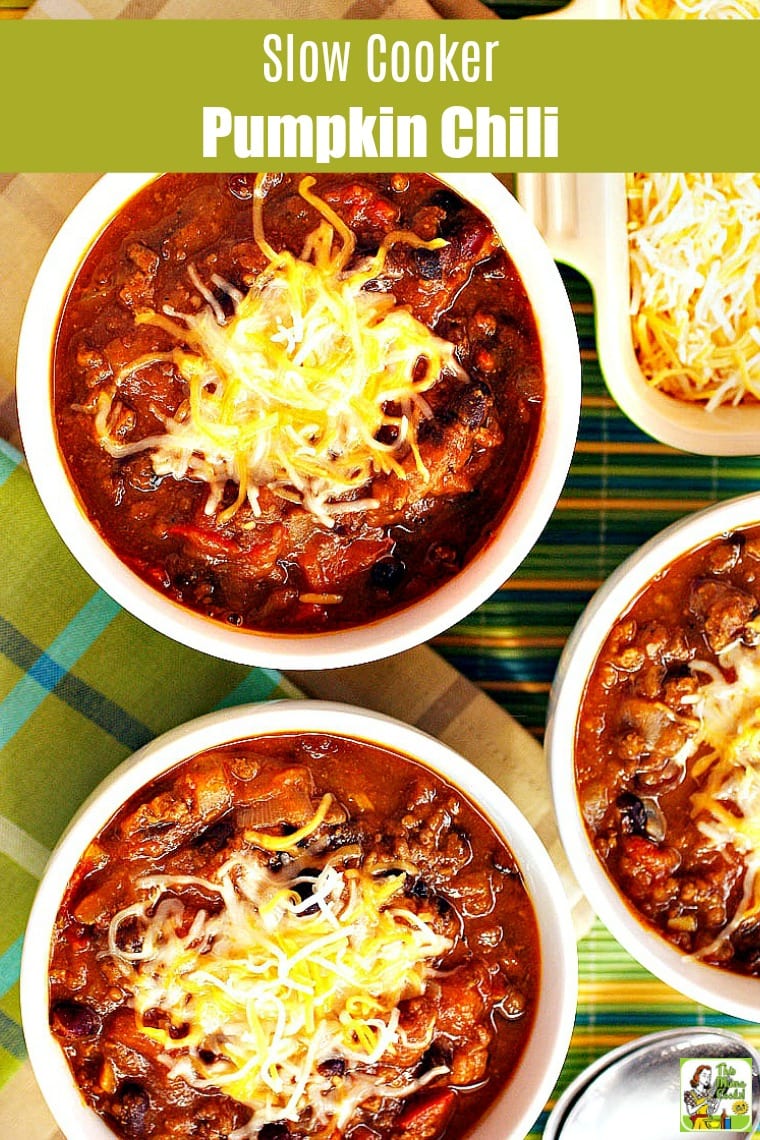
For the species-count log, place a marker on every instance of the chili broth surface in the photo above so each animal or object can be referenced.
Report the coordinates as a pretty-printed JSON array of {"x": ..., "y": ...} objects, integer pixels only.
[
  {"x": 284, "y": 569},
  {"x": 415, "y": 837}
]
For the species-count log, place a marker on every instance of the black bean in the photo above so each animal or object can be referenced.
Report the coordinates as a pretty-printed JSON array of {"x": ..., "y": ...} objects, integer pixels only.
[
  {"x": 439, "y": 1053},
  {"x": 447, "y": 200},
  {"x": 305, "y": 890},
  {"x": 276, "y": 1130},
  {"x": 217, "y": 835},
  {"x": 387, "y": 573},
  {"x": 332, "y": 1067},
  {"x": 474, "y": 407},
  {"x": 129, "y": 936},
  {"x": 183, "y": 580},
  {"x": 633, "y": 814},
  {"x": 75, "y": 1019},
  {"x": 388, "y": 434},
  {"x": 419, "y": 889},
  {"x": 746, "y": 938},
  {"x": 428, "y": 263}
]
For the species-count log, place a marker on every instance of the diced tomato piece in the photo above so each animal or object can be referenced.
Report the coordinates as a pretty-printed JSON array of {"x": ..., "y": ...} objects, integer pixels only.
[
  {"x": 216, "y": 545},
  {"x": 426, "y": 1118},
  {"x": 361, "y": 206},
  {"x": 646, "y": 866},
  {"x": 206, "y": 540},
  {"x": 658, "y": 861}
]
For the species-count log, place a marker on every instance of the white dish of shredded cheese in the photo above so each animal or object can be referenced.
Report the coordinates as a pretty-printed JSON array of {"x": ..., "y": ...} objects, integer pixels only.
[
  {"x": 674, "y": 260},
  {"x": 655, "y": 10}
]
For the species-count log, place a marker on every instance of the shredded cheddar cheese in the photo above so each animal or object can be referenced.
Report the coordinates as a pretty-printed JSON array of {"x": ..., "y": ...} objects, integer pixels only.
[
  {"x": 257, "y": 994},
  {"x": 726, "y": 802},
  {"x": 293, "y": 390},
  {"x": 691, "y": 9},
  {"x": 694, "y": 246}
]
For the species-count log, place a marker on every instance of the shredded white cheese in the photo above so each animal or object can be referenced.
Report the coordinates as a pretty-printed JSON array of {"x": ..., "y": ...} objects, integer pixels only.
[
  {"x": 691, "y": 9},
  {"x": 694, "y": 250},
  {"x": 726, "y": 803},
  {"x": 272, "y": 985},
  {"x": 292, "y": 391}
]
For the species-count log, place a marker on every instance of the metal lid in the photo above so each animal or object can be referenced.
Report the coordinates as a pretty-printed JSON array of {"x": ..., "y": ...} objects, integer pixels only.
[{"x": 662, "y": 1087}]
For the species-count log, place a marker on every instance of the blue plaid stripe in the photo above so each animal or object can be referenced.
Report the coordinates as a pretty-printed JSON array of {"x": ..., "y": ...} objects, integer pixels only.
[
  {"x": 49, "y": 669},
  {"x": 258, "y": 685},
  {"x": 9, "y": 460},
  {"x": 12, "y": 1038},
  {"x": 51, "y": 676},
  {"x": 44, "y": 674},
  {"x": 10, "y": 962}
]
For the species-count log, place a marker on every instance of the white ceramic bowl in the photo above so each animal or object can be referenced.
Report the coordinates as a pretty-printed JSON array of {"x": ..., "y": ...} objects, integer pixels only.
[
  {"x": 720, "y": 989},
  {"x": 584, "y": 219},
  {"x": 412, "y": 626},
  {"x": 513, "y": 1113}
]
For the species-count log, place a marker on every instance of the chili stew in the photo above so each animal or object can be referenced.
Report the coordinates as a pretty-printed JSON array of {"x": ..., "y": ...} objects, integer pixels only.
[
  {"x": 294, "y": 936},
  {"x": 211, "y": 418},
  {"x": 666, "y": 752}
]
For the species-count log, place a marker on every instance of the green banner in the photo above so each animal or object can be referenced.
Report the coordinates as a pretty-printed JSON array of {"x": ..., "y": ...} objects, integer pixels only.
[{"x": 542, "y": 94}]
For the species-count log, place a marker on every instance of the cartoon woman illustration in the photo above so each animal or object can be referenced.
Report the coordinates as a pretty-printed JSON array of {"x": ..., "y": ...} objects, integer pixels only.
[{"x": 700, "y": 1100}]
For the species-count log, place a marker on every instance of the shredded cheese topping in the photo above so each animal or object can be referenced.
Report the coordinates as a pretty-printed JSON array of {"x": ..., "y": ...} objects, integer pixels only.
[
  {"x": 258, "y": 992},
  {"x": 726, "y": 802},
  {"x": 694, "y": 245},
  {"x": 691, "y": 9},
  {"x": 293, "y": 391}
]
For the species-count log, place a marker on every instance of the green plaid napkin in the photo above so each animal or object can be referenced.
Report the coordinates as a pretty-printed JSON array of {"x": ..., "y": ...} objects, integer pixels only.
[{"x": 82, "y": 685}]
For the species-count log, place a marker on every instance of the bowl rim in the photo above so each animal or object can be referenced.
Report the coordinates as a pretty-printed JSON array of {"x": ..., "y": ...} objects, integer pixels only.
[
  {"x": 417, "y": 623},
  {"x": 549, "y": 1038},
  {"x": 730, "y": 993}
]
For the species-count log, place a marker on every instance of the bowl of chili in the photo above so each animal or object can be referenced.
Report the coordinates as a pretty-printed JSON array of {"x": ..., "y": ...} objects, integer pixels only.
[
  {"x": 295, "y": 420},
  {"x": 652, "y": 750},
  {"x": 298, "y": 919}
]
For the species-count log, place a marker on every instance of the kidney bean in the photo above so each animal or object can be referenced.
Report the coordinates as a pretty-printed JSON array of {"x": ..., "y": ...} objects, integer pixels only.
[
  {"x": 75, "y": 1019},
  {"x": 132, "y": 1107}
]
